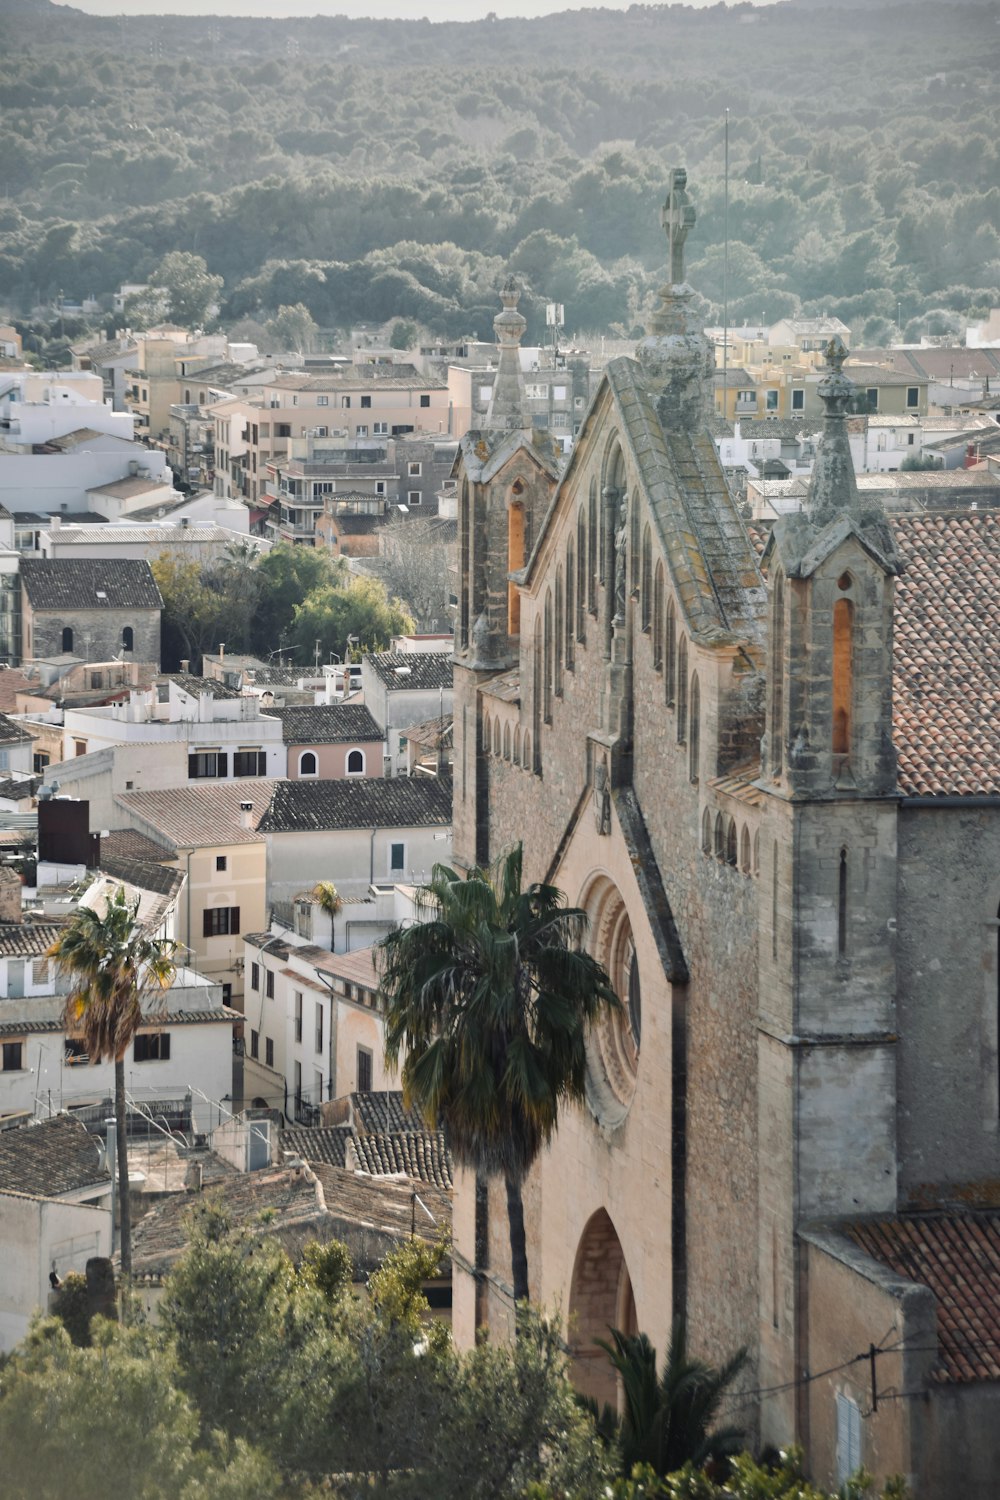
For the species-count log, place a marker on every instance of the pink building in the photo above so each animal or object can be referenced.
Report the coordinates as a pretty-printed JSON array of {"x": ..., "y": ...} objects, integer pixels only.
[{"x": 332, "y": 742}]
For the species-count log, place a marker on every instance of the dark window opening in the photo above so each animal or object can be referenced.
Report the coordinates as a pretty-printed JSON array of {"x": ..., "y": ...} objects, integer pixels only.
[{"x": 152, "y": 1046}]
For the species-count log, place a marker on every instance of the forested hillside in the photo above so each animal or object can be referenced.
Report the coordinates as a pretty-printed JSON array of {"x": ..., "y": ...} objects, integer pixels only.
[{"x": 371, "y": 170}]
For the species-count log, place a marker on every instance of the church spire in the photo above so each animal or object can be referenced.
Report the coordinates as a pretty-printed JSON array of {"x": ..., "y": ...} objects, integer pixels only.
[
  {"x": 833, "y": 487},
  {"x": 506, "y": 408},
  {"x": 678, "y": 362}
]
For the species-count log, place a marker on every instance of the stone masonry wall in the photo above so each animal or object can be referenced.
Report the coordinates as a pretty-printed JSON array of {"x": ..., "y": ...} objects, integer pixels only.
[{"x": 97, "y": 634}]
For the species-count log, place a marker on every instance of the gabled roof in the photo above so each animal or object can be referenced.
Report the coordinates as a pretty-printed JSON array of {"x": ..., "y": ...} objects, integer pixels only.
[
  {"x": 193, "y": 817},
  {"x": 28, "y": 939},
  {"x": 80, "y": 583},
  {"x": 422, "y": 1154},
  {"x": 402, "y": 802},
  {"x": 328, "y": 724},
  {"x": 410, "y": 671},
  {"x": 50, "y": 1158}
]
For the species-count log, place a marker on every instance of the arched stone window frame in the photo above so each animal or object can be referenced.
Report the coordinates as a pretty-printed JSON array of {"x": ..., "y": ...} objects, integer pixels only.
[
  {"x": 658, "y": 587},
  {"x": 745, "y": 850},
  {"x": 581, "y": 577},
  {"x": 732, "y": 845},
  {"x": 706, "y": 832},
  {"x": 557, "y": 628},
  {"x": 67, "y": 638},
  {"x": 592, "y": 547},
  {"x": 646, "y": 580},
  {"x": 682, "y": 690},
  {"x": 354, "y": 762},
  {"x": 517, "y": 744},
  {"x": 694, "y": 731},
  {"x": 128, "y": 638},
  {"x": 506, "y": 742},
  {"x": 569, "y": 621},
  {"x": 309, "y": 764},
  {"x": 670, "y": 656},
  {"x": 719, "y": 842}
]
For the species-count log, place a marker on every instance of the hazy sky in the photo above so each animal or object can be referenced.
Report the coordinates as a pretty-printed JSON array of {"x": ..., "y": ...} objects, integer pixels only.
[{"x": 434, "y": 10}]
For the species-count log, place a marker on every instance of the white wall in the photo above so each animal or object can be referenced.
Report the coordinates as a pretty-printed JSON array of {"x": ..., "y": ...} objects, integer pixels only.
[
  {"x": 38, "y": 1235},
  {"x": 47, "y": 481},
  {"x": 352, "y": 858}
]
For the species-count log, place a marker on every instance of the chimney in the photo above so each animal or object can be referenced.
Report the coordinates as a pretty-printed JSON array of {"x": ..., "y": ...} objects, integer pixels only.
[
  {"x": 193, "y": 1177},
  {"x": 55, "y": 522},
  {"x": 10, "y": 895},
  {"x": 185, "y": 665},
  {"x": 246, "y": 814}
]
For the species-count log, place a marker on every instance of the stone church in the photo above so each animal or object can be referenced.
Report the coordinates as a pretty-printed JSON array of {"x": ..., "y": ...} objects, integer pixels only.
[{"x": 768, "y": 766}]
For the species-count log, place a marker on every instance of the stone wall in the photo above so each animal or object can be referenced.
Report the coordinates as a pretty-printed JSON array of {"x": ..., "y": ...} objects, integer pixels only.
[{"x": 97, "y": 634}]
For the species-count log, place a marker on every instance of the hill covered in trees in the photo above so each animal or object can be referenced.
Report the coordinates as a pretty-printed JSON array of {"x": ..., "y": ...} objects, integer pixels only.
[{"x": 396, "y": 169}]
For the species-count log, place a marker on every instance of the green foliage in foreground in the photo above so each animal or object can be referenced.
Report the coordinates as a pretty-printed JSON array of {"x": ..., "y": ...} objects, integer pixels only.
[{"x": 264, "y": 1380}]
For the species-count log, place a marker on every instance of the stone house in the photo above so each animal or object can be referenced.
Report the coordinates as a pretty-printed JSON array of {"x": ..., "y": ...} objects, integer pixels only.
[
  {"x": 768, "y": 771},
  {"x": 93, "y": 608},
  {"x": 403, "y": 688}
]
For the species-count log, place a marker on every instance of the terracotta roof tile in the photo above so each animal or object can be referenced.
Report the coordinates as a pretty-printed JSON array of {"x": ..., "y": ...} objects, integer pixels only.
[
  {"x": 958, "y": 1257},
  {"x": 946, "y": 654},
  {"x": 415, "y": 1153},
  {"x": 53, "y": 1157}
]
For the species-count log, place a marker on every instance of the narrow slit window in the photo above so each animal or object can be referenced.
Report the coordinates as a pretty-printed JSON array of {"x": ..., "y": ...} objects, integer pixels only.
[
  {"x": 842, "y": 905},
  {"x": 843, "y": 642}
]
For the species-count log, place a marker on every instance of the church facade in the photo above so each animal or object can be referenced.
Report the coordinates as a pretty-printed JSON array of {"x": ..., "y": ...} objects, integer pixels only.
[{"x": 768, "y": 766}]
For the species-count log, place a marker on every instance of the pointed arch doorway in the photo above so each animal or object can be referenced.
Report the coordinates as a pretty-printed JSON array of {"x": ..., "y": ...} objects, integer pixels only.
[{"x": 600, "y": 1299}]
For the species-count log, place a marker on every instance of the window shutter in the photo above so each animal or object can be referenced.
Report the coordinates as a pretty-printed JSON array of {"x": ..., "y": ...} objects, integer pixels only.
[
  {"x": 223, "y": 764},
  {"x": 164, "y": 1046},
  {"x": 207, "y": 928},
  {"x": 234, "y": 919},
  {"x": 848, "y": 1437}
]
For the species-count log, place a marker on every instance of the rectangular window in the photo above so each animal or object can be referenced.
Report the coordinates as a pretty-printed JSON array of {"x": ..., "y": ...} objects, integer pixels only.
[
  {"x": 366, "y": 402},
  {"x": 322, "y": 401},
  {"x": 269, "y": 1052},
  {"x": 297, "y": 1082},
  {"x": 771, "y": 400},
  {"x": 39, "y": 971},
  {"x": 912, "y": 395},
  {"x": 12, "y": 1057},
  {"x": 79, "y": 747},
  {"x": 425, "y": 401},
  {"x": 364, "y": 1071},
  {"x": 413, "y": 497},
  {"x": 380, "y": 429},
  {"x": 218, "y": 921},
  {"x": 269, "y": 984},
  {"x": 909, "y": 439},
  {"x": 798, "y": 401},
  {"x": 848, "y": 1437},
  {"x": 397, "y": 858},
  {"x": 486, "y": 392},
  {"x": 298, "y": 1015},
  {"x": 255, "y": 1044},
  {"x": 319, "y": 1027},
  {"x": 207, "y": 764},
  {"x": 361, "y": 430},
  {"x": 872, "y": 396},
  {"x": 75, "y": 1053},
  {"x": 414, "y": 470},
  {"x": 227, "y": 993},
  {"x": 221, "y": 862},
  {"x": 559, "y": 393},
  {"x": 255, "y": 976},
  {"x": 282, "y": 429},
  {"x": 380, "y": 486},
  {"x": 345, "y": 402},
  {"x": 317, "y": 1088},
  {"x": 152, "y": 1046},
  {"x": 250, "y": 763}
]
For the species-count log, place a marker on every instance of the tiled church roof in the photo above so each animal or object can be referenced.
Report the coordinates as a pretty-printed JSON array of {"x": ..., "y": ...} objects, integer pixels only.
[
  {"x": 946, "y": 678},
  {"x": 958, "y": 1257}
]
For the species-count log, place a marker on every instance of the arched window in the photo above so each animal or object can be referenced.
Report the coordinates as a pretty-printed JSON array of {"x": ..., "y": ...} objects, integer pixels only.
[
  {"x": 515, "y": 562},
  {"x": 670, "y": 655},
  {"x": 538, "y": 673},
  {"x": 646, "y": 580},
  {"x": 720, "y": 836},
  {"x": 486, "y": 733},
  {"x": 355, "y": 762},
  {"x": 682, "y": 689},
  {"x": 843, "y": 643},
  {"x": 633, "y": 543},
  {"x": 570, "y": 620},
  {"x": 128, "y": 638},
  {"x": 308, "y": 765},
  {"x": 731, "y": 842},
  {"x": 774, "y": 900},
  {"x": 658, "y": 618},
  {"x": 517, "y": 745},
  {"x": 526, "y": 759},
  {"x": 706, "y": 831},
  {"x": 506, "y": 742},
  {"x": 592, "y": 548},
  {"x": 465, "y": 532},
  {"x": 67, "y": 638},
  {"x": 496, "y": 736},
  {"x": 778, "y": 674},
  {"x": 557, "y": 625},
  {"x": 842, "y": 905},
  {"x": 745, "y": 850},
  {"x": 756, "y": 853},
  {"x": 547, "y": 665},
  {"x": 694, "y": 730},
  {"x": 581, "y": 577}
]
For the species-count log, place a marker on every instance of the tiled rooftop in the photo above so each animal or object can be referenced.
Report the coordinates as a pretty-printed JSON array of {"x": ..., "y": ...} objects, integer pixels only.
[
  {"x": 958, "y": 1257},
  {"x": 384, "y": 1111},
  {"x": 305, "y": 806},
  {"x": 127, "y": 844},
  {"x": 27, "y": 939},
  {"x": 326, "y": 1143},
  {"x": 328, "y": 724},
  {"x": 89, "y": 583},
  {"x": 408, "y": 671},
  {"x": 202, "y": 816},
  {"x": 420, "y": 1154},
  {"x": 946, "y": 675},
  {"x": 53, "y": 1157},
  {"x": 387, "y": 1208}
]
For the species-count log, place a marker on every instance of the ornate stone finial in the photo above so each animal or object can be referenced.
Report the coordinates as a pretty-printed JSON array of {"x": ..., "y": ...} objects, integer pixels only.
[
  {"x": 677, "y": 217},
  {"x": 833, "y": 487},
  {"x": 506, "y": 408}
]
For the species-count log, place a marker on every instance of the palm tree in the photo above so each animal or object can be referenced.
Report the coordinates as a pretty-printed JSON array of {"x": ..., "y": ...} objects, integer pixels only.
[
  {"x": 667, "y": 1420},
  {"x": 112, "y": 965},
  {"x": 326, "y": 895},
  {"x": 488, "y": 1002}
]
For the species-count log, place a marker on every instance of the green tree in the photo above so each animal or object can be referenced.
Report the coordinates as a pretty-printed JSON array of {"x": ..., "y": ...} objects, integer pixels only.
[
  {"x": 667, "y": 1420},
  {"x": 287, "y": 575},
  {"x": 293, "y": 327},
  {"x": 195, "y": 611},
  {"x": 189, "y": 287},
  {"x": 355, "y": 605},
  {"x": 113, "y": 966},
  {"x": 403, "y": 334},
  {"x": 488, "y": 1003},
  {"x": 329, "y": 899}
]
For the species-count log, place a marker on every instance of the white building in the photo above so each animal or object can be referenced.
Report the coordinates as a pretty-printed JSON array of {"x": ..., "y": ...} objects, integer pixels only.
[{"x": 38, "y": 407}]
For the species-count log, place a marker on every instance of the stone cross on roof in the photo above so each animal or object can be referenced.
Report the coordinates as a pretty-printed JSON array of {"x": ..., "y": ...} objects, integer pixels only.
[{"x": 677, "y": 217}]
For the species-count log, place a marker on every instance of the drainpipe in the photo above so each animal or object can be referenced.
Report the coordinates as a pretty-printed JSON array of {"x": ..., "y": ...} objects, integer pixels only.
[{"x": 371, "y": 859}]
